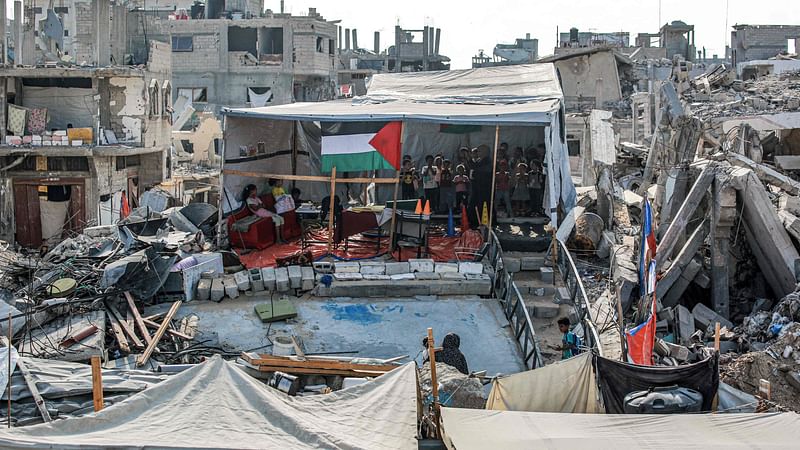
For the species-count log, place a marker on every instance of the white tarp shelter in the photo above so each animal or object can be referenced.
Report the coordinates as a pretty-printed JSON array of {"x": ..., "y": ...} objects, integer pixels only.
[
  {"x": 466, "y": 429},
  {"x": 217, "y": 405},
  {"x": 524, "y": 100}
]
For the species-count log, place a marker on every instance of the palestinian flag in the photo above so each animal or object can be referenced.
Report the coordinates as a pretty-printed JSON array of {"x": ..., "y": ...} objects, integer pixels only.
[{"x": 360, "y": 146}]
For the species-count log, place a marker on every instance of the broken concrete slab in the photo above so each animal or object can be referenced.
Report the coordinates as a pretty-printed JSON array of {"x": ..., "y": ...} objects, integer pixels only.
[
  {"x": 685, "y": 322},
  {"x": 705, "y": 317}
]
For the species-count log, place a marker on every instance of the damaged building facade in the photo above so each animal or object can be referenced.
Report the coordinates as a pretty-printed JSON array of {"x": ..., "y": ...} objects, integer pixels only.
[
  {"x": 77, "y": 139},
  {"x": 240, "y": 57}
]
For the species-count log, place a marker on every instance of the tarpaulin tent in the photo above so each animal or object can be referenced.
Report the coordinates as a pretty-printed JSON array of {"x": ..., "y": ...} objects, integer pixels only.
[
  {"x": 217, "y": 405},
  {"x": 524, "y": 100},
  {"x": 466, "y": 429},
  {"x": 618, "y": 379},
  {"x": 566, "y": 386}
]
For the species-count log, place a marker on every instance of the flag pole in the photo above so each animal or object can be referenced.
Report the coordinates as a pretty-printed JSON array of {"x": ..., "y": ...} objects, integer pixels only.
[
  {"x": 396, "y": 188},
  {"x": 494, "y": 172},
  {"x": 331, "y": 213}
]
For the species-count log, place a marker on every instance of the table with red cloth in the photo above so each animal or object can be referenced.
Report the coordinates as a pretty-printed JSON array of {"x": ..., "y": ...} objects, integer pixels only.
[{"x": 357, "y": 221}]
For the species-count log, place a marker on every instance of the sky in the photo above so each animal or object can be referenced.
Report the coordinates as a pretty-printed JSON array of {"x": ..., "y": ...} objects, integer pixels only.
[{"x": 469, "y": 25}]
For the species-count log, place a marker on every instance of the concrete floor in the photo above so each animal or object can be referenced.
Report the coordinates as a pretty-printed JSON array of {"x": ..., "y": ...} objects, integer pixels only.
[{"x": 370, "y": 327}]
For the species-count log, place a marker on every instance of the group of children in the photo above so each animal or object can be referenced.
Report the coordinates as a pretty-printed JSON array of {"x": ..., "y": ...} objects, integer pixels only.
[{"x": 519, "y": 181}]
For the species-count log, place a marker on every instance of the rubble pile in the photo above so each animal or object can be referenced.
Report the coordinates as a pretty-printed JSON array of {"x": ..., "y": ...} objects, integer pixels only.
[{"x": 456, "y": 390}]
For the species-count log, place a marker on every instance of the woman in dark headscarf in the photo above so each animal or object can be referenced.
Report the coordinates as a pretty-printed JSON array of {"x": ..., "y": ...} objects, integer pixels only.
[{"x": 450, "y": 353}]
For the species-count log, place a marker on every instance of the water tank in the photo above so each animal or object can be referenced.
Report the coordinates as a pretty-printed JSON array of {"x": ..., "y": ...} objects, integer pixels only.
[
  {"x": 663, "y": 400},
  {"x": 573, "y": 34}
]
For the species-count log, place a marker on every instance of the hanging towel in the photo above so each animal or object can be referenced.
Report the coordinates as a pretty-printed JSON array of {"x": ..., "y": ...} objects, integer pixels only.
[
  {"x": 37, "y": 120},
  {"x": 16, "y": 119}
]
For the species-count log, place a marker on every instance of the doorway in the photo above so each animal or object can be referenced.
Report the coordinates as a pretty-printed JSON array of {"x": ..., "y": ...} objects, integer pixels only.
[{"x": 52, "y": 206}]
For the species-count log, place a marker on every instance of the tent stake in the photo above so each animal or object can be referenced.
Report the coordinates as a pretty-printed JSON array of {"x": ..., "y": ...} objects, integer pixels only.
[
  {"x": 97, "y": 384},
  {"x": 330, "y": 215},
  {"x": 434, "y": 382},
  {"x": 494, "y": 173}
]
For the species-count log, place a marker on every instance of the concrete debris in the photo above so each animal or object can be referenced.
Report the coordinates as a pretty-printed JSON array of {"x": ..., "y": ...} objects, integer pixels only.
[{"x": 456, "y": 390}]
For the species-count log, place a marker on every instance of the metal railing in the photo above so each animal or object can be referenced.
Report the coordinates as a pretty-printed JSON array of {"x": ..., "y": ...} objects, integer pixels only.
[
  {"x": 514, "y": 307},
  {"x": 577, "y": 293}
]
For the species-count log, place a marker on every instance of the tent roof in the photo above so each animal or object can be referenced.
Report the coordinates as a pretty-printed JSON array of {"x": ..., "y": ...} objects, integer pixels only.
[
  {"x": 510, "y": 95},
  {"x": 466, "y": 429},
  {"x": 217, "y": 405}
]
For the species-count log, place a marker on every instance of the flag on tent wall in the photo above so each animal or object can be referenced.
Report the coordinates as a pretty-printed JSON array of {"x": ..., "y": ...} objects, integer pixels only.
[
  {"x": 647, "y": 252},
  {"x": 360, "y": 146}
]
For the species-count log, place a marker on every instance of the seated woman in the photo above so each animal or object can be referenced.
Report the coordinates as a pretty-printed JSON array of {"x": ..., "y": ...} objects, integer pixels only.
[{"x": 254, "y": 204}]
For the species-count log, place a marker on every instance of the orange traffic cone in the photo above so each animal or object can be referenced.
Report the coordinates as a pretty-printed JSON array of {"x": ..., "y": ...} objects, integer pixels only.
[
  {"x": 418, "y": 209},
  {"x": 427, "y": 210},
  {"x": 485, "y": 215},
  {"x": 464, "y": 219}
]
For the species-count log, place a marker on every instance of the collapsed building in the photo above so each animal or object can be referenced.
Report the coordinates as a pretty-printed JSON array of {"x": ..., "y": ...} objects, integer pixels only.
[
  {"x": 78, "y": 137},
  {"x": 522, "y": 51}
]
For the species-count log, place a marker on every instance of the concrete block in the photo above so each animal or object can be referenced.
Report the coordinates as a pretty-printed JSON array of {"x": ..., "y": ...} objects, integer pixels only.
[
  {"x": 203, "y": 289},
  {"x": 678, "y": 352},
  {"x": 470, "y": 268},
  {"x": 323, "y": 267},
  {"x": 268, "y": 278},
  {"x": 394, "y": 268},
  {"x": 295, "y": 276},
  {"x": 256, "y": 281},
  {"x": 373, "y": 268},
  {"x": 446, "y": 267},
  {"x": 512, "y": 265},
  {"x": 282, "y": 279},
  {"x": 531, "y": 263},
  {"x": 231, "y": 288},
  {"x": 538, "y": 291},
  {"x": 562, "y": 296},
  {"x": 217, "y": 290},
  {"x": 421, "y": 265},
  {"x": 402, "y": 276},
  {"x": 376, "y": 277},
  {"x": 705, "y": 317},
  {"x": 242, "y": 280},
  {"x": 448, "y": 276},
  {"x": 545, "y": 310},
  {"x": 427, "y": 276},
  {"x": 546, "y": 274},
  {"x": 347, "y": 267},
  {"x": 307, "y": 282},
  {"x": 348, "y": 276}
]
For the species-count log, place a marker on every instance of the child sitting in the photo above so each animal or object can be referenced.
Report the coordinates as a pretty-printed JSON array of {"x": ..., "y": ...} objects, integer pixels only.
[{"x": 254, "y": 204}]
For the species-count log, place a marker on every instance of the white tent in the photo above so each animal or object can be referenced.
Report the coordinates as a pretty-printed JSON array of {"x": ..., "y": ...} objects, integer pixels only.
[
  {"x": 524, "y": 100},
  {"x": 217, "y": 405},
  {"x": 466, "y": 429}
]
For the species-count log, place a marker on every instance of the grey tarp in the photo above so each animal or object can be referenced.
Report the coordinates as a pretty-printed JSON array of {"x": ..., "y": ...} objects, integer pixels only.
[
  {"x": 217, "y": 405},
  {"x": 466, "y": 429},
  {"x": 567, "y": 386}
]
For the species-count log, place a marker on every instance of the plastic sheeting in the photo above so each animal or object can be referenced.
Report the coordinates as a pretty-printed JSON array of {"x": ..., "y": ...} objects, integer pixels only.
[
  {"x": 467, "y": 429},
  {"x": 217, "y": 405},
  {"x": 618, "y": 379},
  {"x": 524, "y": 83},
  {"x": 567, "y": 386},
  {"x": 65, "y": 105}
]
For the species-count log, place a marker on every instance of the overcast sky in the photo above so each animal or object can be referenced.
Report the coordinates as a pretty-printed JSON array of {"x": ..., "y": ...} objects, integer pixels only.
[{"x": 470, "y": 25}]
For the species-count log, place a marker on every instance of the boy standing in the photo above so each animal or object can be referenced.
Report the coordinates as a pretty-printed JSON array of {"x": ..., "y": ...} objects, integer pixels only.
[
  {"x": 430, "y": 174},
  {"x": 569, "y": 341}
]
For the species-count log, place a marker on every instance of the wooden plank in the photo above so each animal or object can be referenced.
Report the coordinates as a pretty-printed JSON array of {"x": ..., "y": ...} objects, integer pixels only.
[
  {"x": 260, "y": 360},
  {"x": 30, "y": 382},
  {"x": 97, "y": 384},
  {"x": 159, "y": 334},
  {"x": 138, "y": 318},
  {"x": 124, "y": 325},
  {"x": 319, "y": 178},
  {"x": 685, "y": 212},
  {"x": 118, "y": 333},
  {"x": 306, "y": 371},
  {"x": 170, "y": 331}
]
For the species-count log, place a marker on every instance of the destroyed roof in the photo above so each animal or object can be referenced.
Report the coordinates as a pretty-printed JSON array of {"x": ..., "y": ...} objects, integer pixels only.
[
  {"x": 588, "y": 51},
  {"x": 508, "y": 95},
  {"x": 217, "y": 405},
  {"x": 466, "y": 429}
]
